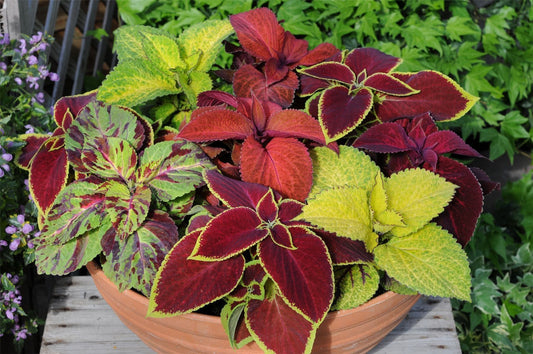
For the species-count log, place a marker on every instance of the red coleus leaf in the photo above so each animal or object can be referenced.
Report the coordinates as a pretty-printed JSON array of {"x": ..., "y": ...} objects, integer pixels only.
[
  {"x": 248, "y": 80},
  {"x": 183, "y": 285},
  {"x": 446, "y": 141},
  {"x": 304, "y": 275},
  {"x": 67, "y": 108},
  {"x": 331, "y": 71},
  {"x": 439, "y": 94},
  {"x": 384, "y": 138},
  {"x": 234, "y": 193},
  {"x": 48, "y": 173},
  {"x": 28, "y": 152},
  {"x": 321, "y": 53},
  {"x": 283, "y": 164},
  {"x": 371, "y": 61},
  {"x": 216, "y": 123},
  {"x": 277, "y": 327},
  {"x": 223, "y": 237},
  {"x": 259, "y": 32},
  {"x": 340, "y": 111},
  {"x": 461, "y": 215},
  {"x": 344, "y": 250},
  {"x": 291, "y": 123},
  {"x": 487, "y": 184},
  {"x": 288, "y": 211},
  {"x": 388, "y": 84},
  {"x": 215, "y": 98}
]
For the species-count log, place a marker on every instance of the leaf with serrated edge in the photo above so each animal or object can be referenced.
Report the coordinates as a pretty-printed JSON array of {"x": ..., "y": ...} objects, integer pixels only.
[
  {"x": 350, "y": 167},
  {"x": 173, "y": 168},
  {"x": 65, "y": 258},
  {"x": 418, "y": 195},
  {"x": 77, "y": 209},
  {"x": 356, "y": 287},
  {"x": 129, "y": 41},
  {"x": 205, "y": 38},
  {"x": 126, "y": 208},
  {"x": 109, "y": 158},
  {"x": 133, "y": 262},
  {"x": 343, "y": 210},
  {"x": 134, "y": 82},
  {"x": 429, "y": 261}
]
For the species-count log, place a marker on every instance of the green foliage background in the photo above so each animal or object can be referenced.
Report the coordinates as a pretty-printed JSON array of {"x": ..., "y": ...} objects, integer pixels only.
[{"x": 486, "y": 46}]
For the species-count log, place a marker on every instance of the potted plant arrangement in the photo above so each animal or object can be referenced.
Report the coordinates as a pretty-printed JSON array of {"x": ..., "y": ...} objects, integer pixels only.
[{"x": 309, "y": 181}]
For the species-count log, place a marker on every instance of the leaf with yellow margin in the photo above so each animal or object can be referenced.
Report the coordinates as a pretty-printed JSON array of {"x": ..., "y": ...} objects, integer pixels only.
[
  {"x": 429, "y": 261},
  {"x": 418, "y": 196},
  {"x": 351, "y": 167}
]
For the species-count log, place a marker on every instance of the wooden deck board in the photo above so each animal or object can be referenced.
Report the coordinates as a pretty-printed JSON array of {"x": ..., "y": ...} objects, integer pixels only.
[{"x": 80, "y": 321}]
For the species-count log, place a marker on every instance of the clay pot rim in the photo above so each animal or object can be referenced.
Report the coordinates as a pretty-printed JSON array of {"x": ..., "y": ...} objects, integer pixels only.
[{"x": 96, "y": 271}]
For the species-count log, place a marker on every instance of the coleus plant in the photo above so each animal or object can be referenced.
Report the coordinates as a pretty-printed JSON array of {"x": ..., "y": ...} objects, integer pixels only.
[{"x": 272, "y": 201}]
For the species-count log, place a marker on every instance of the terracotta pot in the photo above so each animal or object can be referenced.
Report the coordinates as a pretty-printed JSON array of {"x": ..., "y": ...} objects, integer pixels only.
[{"x": 348, "y": 331}]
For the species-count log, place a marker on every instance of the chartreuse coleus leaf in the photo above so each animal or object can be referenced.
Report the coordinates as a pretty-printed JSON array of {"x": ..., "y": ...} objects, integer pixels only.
[
  {"x": 201, "y": 43},
  {"x": 153, "y": 64},
  {"x": 384, "y": 217},
  {"x": 173, "y": 168},
  {"x": 417, "y": 195},
  {"x": 429, "y": 261},
  {"x": 350, "y": 167},
  {"x": 133, "y": 261},
  {"x": 343, "y": 210},
  {"x": 356, "y": 287}
]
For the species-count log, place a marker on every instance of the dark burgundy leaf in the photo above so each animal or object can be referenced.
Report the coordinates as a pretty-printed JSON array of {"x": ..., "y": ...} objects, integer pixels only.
[
  {"x": 344, "y": 250},
  {"x": 235, "y": 193},
  {"x": 371, "y": 61},
  {"x": 384, "y": 138}
]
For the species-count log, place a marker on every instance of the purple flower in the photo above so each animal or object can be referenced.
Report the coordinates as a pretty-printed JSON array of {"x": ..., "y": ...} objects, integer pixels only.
[
  {"x": 15, "y": 279},
  {"x": 29, "y": 127},
  {"x": 27, "y": 228},
  {"x": 36, "y": 38},
  {"x": 3, "y": 66},
  {"x": 53, "y": 76},
  {"x": 10, "y": 230},
  {"x": 7, "y": 157},
  {"x": 32, "y": 60},
  {"x": 5, "y": 39},
  {"x": 22, "y": 46},
  {"x": 18, "y": 80},
  {"x": 3, "y": 243},
  {"x": 20, "y": 218},
  {"x": 21, "y": 334},
  {"x": 9, "y": 313},
  {"x": 14, "y": 244},
  {"x": 30, "y": 244},
  {"x": 1, "y": 173},
  {"x": 33, "y": 81}
]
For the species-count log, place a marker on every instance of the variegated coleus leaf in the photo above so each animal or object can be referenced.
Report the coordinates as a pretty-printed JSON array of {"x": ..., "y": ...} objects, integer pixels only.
[
  {"x": 132, "y": 262},
  {"x": 97, "y": 121},
  {"x": 127, "y": 208},
  {"x": 173, "y": 168},
  {"x": 78, "y": 208},
  {"x": 64, "y": 258},
  {"x": 46, "y": 159},
  {"x": 107, "y": 157}
]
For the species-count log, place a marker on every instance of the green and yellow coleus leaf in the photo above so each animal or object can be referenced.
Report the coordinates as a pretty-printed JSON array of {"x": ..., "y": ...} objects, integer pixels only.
[
  {"x": 356, "y": 287},
  {"x": 429, "y": 260}
]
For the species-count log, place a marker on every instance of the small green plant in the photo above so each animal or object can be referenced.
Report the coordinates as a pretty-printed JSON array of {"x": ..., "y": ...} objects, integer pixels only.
[{"x": 499, "y": 317}]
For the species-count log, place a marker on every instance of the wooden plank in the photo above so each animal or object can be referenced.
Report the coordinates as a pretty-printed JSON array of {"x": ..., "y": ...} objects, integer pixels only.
[{"x": 80, "y": 321}]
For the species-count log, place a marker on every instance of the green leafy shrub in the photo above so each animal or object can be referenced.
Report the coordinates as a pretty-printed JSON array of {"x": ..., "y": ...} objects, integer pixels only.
[
  {"x": 488, "y": 50},
  {"x": 501, "y": 252}
]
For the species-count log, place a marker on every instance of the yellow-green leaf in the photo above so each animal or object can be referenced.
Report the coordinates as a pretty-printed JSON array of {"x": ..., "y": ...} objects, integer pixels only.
[
  {"x": 353, "y": 290},
  {"x": 134, "y": 82},
  {"x": 418, "y": 195},
  {"x": 350, "y": 167},
  {"x": 162, "y": 51},
  {"x": 429, "y": 261},
  {"x": 386, "y": 220},
  {"x": 202, "y": 42},
  {"x": 343, "y": 210}
]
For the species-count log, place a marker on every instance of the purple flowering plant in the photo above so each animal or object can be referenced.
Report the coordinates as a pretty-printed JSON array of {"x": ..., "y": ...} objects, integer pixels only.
[{"x": 23, "y": 73}]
